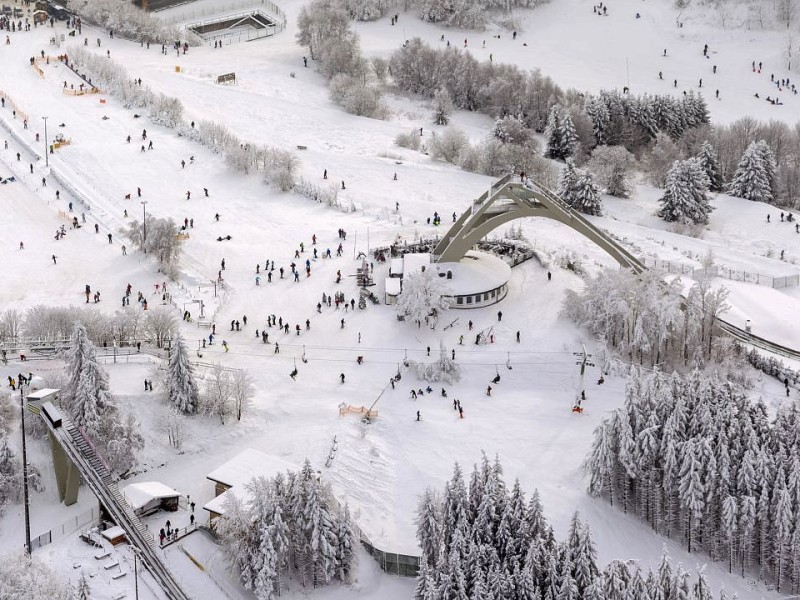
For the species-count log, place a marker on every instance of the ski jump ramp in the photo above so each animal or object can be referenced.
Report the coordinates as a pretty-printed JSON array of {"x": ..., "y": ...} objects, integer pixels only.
[{"x": 508, "y": 199}]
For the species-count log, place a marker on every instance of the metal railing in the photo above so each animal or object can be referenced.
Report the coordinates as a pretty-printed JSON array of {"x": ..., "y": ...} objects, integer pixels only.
[
  {"x": 778, "y": 282},
  {"x": 196, "y": 14},
  {"x": 65, "y": 528}
]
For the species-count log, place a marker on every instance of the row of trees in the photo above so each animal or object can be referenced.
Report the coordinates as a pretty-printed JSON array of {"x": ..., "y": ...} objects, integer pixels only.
[
  {"x": 287, "y": 529},
  {"x": 655, "y": 130},
  {"x": 278, "y": 166},
  {"x": 127, "y": 20},
  {"x": 469, "y": 14},
  {"x": 482, "y": 541},
  {"x": 323, "y": 26},
  {"x": 56, "y": 323},
  {"x": 695, "y": 458},
  {"x": 648, "y": 321}
]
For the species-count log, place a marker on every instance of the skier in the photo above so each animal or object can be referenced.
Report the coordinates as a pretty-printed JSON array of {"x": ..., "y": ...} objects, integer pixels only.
[
  {"x": 488, "y": 390},
  {"x": 499, "y": 315},
  {"x": 205, "y": 191},
  {"x": 549, "y": 276},
  {"x": 341, "y": 377},
  {"x": 109, "y": 238},
  {"x": 419, "y": 417}
]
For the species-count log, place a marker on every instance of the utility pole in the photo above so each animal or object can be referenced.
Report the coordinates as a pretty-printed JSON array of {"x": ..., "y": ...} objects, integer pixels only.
[
  {"x": 583, "y": 361},
  {"x": 25, "y": 475},
  {"x": 144, "y": 222},
  {"x": 46, "y": 147}
]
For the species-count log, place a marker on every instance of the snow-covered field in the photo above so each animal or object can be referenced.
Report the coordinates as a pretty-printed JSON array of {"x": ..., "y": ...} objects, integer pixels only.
[{"x": 379, "y": 469}]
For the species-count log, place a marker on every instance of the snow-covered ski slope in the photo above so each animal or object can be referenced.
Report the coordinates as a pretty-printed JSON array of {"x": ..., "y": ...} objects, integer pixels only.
[{"x": 380, "y": 469}]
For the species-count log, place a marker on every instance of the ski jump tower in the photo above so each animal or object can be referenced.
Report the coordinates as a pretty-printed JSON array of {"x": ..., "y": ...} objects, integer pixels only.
[{"x": 507, "y": 200}]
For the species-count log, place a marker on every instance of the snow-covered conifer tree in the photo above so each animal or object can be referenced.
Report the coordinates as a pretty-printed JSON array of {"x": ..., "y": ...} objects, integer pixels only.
[
  {"x": 345, "y": 547},
  {"x": 685, "y": 196},
  {"x": 709, "y": 160},
  {"x": 751, "y": 180},
  {"x": 561, "y": 139},
  {"x": 429, "y": 527},
  {"x": 182, "y": 389},
  {"x": 565, "y": 187},
  {"x": 586, "y": 195},
  {"x": 598, "y": 113},
  {"x": 87, "y": 394}
]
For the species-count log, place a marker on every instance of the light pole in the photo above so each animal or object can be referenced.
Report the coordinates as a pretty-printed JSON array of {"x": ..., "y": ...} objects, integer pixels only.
[
  {"x": 25, "y": 476},
  {"x": 46, "y": 147},
  {"x": 135, "y": 551},
  {"x": 144, "y": 223}
]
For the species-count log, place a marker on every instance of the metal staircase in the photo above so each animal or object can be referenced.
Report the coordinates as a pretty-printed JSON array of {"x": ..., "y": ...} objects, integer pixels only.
[{"x": 97, "y": 475}]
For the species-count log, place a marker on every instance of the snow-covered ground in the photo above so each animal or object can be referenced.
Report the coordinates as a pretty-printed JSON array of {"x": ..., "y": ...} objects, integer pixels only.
[{"x": 379, "y": 469}]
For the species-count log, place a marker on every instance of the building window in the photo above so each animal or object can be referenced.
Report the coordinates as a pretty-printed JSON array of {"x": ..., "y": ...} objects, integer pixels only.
[
  {"x": 449, "y": 274},
  {"x": 469, "y": 299},
  {"x": 460, "y": 300},
  {"x": 478, "y": 298}
]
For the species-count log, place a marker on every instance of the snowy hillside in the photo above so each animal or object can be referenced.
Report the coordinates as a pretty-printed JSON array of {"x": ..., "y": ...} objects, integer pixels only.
[{"x": 379, "y": 469}]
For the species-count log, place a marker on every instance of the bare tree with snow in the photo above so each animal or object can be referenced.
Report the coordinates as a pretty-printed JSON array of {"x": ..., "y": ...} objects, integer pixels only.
[{"x": 423, "y": 297}]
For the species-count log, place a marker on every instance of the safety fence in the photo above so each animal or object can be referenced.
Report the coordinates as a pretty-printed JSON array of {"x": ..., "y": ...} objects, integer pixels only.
[
  {"x": 65, "y": 528},
  {"x": 8, "y": 102},
  {"x": 783, "y": 281}
]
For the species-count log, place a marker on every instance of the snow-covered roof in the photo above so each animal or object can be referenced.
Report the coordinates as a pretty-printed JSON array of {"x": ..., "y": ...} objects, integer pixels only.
[
  {"x": 113, "y": 532},
  {"x": 139, "y": 494},
  {"x": 239, "y": 471},
  {"x": 216, "y": 505},
  {"x": 42, "y": 394},
  {"x": 476, "y": 272},
  {"x": 246, "y": 465},
  {"x": 393, "y": 286},
  {"x": 396, "y": 266},
  {"x": 413, "y": 263}
]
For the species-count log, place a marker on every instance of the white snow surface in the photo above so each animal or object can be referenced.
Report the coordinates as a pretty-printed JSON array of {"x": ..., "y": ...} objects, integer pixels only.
[{"x": 378, "y": 469}]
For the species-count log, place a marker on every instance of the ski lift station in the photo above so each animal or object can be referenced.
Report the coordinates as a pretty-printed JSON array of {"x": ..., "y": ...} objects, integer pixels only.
[{"x": 477, "y": 280}]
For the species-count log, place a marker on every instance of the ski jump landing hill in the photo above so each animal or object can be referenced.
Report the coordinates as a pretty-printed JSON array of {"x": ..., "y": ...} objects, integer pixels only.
[
  {"x": 507, "y": 200},
  {"x": 74, "y": 458}
]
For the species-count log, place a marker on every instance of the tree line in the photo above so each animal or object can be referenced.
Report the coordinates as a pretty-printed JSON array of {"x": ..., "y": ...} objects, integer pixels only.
[
  {"x": 483, "y": 541},
  {"x": 697, "y": 460},
  {"x": 288, "y": 529}
]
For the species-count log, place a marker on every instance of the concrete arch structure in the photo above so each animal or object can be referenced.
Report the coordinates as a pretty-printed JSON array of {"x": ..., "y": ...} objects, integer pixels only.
[{"x": 507, "y": 200}]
